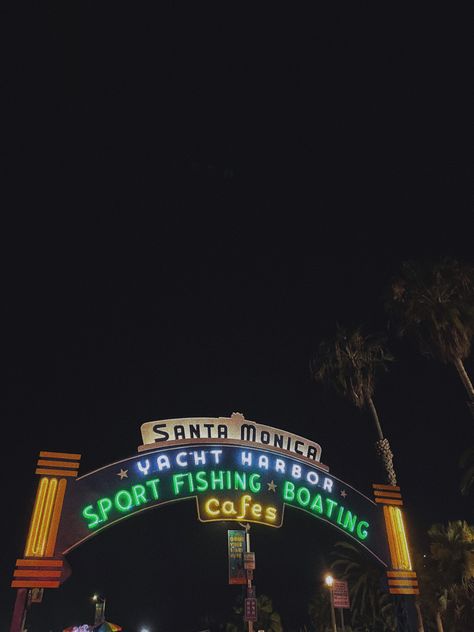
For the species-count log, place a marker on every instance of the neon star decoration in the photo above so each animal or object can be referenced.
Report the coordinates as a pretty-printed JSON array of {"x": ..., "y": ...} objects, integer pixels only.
[
  {"x": 271, "y": 486},
  {"x": 123, "y": 474}
]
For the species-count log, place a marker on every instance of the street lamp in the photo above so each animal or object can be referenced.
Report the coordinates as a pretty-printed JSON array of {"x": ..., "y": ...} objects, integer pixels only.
[
  {"x": 99, "y": 608},
  {"x": 329, "y": 580}
]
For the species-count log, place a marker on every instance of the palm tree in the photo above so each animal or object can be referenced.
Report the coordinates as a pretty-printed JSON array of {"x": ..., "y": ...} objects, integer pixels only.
[
  {"x": 467, "y": 464},
  {"x": 446, "y": 576},
  {"x": 435, "y": 304},
  {"x": 349, "y": 363},
  {"x": 370, "y": 604},
  {"x": 452, "y": 547},
  {"x": 268, "y": 619}
]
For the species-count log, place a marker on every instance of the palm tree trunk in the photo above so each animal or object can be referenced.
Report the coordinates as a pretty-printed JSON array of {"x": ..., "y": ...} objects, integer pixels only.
[
  {"x": 375, "y": 417},
  {"x": 383, "y": 446},
  {"x": 420, "y": 626},
  {"x": 458, "y": 363},
  {"x": 439, "y": 623}
]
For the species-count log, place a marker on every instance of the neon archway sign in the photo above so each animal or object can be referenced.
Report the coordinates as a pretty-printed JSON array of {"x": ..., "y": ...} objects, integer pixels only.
[{"x": 233, "y": 469}]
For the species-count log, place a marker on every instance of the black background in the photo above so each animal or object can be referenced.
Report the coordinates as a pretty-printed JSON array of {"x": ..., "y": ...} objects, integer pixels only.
[{"x": 192, "y": 200}]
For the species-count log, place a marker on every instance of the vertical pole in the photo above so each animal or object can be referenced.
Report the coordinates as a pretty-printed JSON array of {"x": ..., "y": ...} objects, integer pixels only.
[
  {"x": 341, "y": 610},
  {"x": 19, "y": 610},
  {"x": 249, "y": 573},
  {"x": 333, "y": 614}
]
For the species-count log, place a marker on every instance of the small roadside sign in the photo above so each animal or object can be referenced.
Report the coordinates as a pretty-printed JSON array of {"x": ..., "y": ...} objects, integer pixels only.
[
  {"x": 250, "y": 610},
  {"x": 249, "y": 560},
  {"x": 340, "y": 593}
]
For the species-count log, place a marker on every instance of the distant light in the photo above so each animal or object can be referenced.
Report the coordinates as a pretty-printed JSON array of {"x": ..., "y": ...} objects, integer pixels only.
[
  {"x": 144, "y": 630},
  {"x": 329, "y": 579},
  {"x": 95, "y": 597}
]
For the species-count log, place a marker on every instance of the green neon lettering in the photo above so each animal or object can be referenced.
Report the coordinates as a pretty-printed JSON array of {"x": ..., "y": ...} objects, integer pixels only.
[
  {"x": 229, "y": 479},
  {"x": 288, "y": 491},
  {"x": 240, "y": 481},
  {"x": 139, "y": 495},
  {"x": 88, "y": 514},
  {"x": 118, "y": 503},
  {"x": 201, "y": 481},
  {"x": 105, "y": 505},
  {"x": 190, "y": 482},
  {"x": 153, "y": 485},
  {"x": 317, "y": 504},
  {"x": 217, "y": 479},
  {"x": 254, "y": 483},
  {"x": 339, "y": 515},
  {"x": 350, "y": 521},
  {"x": 177, "y": 483},
  {"x": 303, "y": 496},
  {"x": 361, "y": 532},
  {"x": 330, "y": 504}
]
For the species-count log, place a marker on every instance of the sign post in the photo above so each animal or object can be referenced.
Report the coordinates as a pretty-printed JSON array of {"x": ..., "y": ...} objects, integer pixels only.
[{"x": 340, "y": 591}]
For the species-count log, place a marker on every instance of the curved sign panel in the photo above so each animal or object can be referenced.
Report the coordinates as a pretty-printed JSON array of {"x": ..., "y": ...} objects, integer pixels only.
[{"x": 229, "y": 482}]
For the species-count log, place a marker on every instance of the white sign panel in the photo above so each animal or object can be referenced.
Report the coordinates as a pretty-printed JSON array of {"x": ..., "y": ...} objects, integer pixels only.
[{"x": 226, "y": 429}]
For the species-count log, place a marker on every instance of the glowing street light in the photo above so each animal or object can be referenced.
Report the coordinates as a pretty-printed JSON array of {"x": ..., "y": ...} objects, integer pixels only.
[{"x": 329, "y": 581}]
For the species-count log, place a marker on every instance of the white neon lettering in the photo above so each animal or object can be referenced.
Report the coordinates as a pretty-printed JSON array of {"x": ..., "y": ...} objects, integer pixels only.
[
  {"x": 246, "y": 457},
  {"x": 280, "y": 465},
  {"x": 312, "y": 478},
  {"x": 328, "y": 484},
  {"x": 144, "y": 469},
  {"x": 163, "y": 462},
  {"x": 296, "y": 471},
  {"x": 200, "y": 459},
  {"x": 263, "y": 462},
  {"x": 216, "y": 454},
  {"x": 181, "y": 459}
]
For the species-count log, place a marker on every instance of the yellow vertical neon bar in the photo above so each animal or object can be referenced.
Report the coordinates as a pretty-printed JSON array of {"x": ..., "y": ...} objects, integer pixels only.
[
  {"x": 40, "y": 543},
  {"x": 391, "y": 536},
  {"x": 35, "y": 519},
  {"x": 397, "y": 540},
  {"x": 405, "y": 561},
  {"x": 58, "y": 505}
]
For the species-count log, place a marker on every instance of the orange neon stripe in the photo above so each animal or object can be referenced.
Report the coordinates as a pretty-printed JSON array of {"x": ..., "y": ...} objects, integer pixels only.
[
  {"x": 389, "y": 501},
  {"x": 34, "y": 573},
  {"x": 56, "y": 517},
  {"x": 35, "y": 519},
  {"x": 39, "y": 562},
  {"x": 61, "y": 455},
  {"x": 55, "y": 472},
  {"x": 401, "y": 574},
  {"x": 40, "y": 543},
  {"x": 404, "y": 591},
  {"x": 71, "y": 465},
  {"x": 387, "y": 494},
  {"x": 394, "y": 488},
  {"x": 403, "y": 582},
  {"x": 40, "y": 583}
]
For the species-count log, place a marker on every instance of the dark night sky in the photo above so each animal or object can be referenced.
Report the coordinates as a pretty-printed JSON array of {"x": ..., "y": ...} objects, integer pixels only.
[{"x": 194, "y": 200}]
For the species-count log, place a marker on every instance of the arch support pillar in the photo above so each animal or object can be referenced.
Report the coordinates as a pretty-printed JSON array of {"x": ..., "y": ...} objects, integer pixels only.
[
  {"x": 41, "y": 567},
  {"x": 401, "y": 578}
]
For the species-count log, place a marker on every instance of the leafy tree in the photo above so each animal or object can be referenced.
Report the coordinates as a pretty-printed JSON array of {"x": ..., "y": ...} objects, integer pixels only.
[
  {"x": 349, "y": 363},
  {"x": 435, "y": 305}
]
